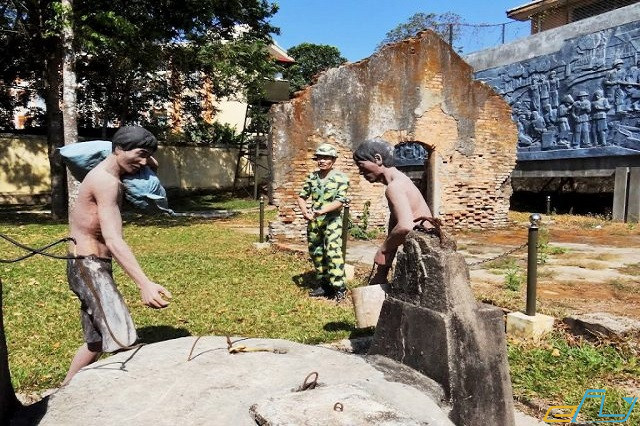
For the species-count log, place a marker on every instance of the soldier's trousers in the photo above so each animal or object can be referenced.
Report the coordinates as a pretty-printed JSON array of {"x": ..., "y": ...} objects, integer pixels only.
[{"x": 324, "y": 236}]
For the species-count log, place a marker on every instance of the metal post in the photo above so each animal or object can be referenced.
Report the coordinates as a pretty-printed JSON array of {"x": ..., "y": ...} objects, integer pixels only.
[
  {"x": 532, "y": 264},
  {"x": 345, "y": 227},
  {"x": 255, "y": 170},
  {"x": 451, "y": 35},
  {"x": 262, "y": 218},
  {"x": 548, "y": 204},
  {"x": 8, "y": 401},
  {"x": 503, "y": 31}
]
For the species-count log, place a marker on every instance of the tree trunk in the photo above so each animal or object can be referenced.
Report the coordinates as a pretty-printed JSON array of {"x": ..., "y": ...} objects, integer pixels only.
[
  {"x": 69, "y": 105},
  {"x": 8, "y": 401},
  {"x": 55, "y": 134}
]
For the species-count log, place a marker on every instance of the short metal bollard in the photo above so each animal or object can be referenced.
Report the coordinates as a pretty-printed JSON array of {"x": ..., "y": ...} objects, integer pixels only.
[
  {"x": 532, "y": 264},
  {"x": 345, "y": 227},
  {"x": 262, "y": 218},
  {"x": 548, "y": 204}
]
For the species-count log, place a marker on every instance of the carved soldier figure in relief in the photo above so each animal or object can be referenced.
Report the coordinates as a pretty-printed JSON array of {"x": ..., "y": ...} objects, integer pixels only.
[
  {"x": 564, "y": 129},
  {"x": 534, "y": 93},
  {"x": 554, "y": 86},
  {"x": 600, "y": 106},
  {"x": 614, "y": 81},
  {"x": 633, "y": 86},
  {"x": 581, "y": 113}
]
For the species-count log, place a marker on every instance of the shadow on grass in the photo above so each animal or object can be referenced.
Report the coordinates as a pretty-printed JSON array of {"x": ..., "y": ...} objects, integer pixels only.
[
  {"x": 305, "y": 280},
  {"x": 354, "y": 332},
  {"x": 160, "y": 333}
]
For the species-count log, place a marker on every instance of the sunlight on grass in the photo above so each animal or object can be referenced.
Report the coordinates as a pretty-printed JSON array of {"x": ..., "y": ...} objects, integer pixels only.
[
  {"x": 220, "y": 285},
  {"x": 560, "y": 371}
]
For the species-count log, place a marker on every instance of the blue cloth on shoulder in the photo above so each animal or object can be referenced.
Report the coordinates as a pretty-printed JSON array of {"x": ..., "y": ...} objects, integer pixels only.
[{"x": 142, "y": 189}]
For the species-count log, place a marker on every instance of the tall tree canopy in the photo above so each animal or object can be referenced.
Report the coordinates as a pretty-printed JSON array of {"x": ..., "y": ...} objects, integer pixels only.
[
  {"x": 132, "y": 56},
  {"x": 311, "y": 59},
  {"x": 444, "y": 24}
]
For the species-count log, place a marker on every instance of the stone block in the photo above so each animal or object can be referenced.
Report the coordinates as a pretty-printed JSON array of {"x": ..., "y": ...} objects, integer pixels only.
[
  {"x": 431, "y": 322},
  {"x": 349, "y": 272},
  {"x": 525, "y": 326},
  {"x": 261, "y": 246},
  {"x": 601, "y": 324}
]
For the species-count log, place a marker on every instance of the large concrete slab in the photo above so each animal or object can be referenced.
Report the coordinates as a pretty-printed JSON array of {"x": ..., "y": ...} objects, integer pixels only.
[{"x": 158, "y": 386}]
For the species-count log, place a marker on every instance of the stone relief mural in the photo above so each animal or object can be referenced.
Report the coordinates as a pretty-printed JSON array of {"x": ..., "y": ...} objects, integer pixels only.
[
  {"x": 409, "y": 154},
  {"x": 582, "y": 101}
]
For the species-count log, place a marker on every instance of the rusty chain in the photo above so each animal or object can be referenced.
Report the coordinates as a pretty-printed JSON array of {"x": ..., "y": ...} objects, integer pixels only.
[{"x": 500, "y": 256}]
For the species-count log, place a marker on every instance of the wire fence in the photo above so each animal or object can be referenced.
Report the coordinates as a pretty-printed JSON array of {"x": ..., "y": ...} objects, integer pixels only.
[{"x": 468, "y": 38}]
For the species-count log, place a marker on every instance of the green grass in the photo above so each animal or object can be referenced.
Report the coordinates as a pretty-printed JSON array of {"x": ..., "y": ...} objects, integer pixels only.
[
  {"x": 220, "y": 285},
  {"x": 221, "y": 200},
  {"x": 559, "y": 372}
]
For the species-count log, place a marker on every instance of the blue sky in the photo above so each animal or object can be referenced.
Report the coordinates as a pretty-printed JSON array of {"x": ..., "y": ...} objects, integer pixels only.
[{"x": 357, "y": 26}]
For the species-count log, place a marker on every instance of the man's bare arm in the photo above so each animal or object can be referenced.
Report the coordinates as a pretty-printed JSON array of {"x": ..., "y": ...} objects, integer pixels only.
[
  {"x": 111, "y": 229},
  {"x": 401, "y": 224}
]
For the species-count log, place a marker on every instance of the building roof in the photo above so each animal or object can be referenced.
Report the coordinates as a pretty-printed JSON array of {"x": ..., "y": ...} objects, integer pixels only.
[
  {"x": 525, "y": 11},
  {"x": 279, "y": 54}
]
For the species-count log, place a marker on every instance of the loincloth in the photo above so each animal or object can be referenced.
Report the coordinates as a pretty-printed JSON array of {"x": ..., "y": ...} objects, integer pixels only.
[{"x": 105, "y": 319}]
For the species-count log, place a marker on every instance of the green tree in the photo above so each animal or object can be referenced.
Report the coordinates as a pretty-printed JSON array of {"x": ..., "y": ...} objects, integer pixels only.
[
  {"x": 131, "y": 55},
  {"x": 311, "y": 59},
  {"x": 446, "y": 25}
]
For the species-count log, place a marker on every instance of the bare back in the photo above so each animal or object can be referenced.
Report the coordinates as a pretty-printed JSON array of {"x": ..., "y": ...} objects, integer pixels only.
[
  {"x": 84, "y": 221},
  {"x": 404, "y": 196}
]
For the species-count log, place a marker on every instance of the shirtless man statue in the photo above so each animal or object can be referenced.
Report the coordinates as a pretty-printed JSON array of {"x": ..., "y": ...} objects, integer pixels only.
[
  {"x": 96, "y": 225},
  {"x": 374, "y": 159}
]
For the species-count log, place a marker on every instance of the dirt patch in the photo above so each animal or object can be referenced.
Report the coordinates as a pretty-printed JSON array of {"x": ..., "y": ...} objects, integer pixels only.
[{"x": 589, "y": 266}]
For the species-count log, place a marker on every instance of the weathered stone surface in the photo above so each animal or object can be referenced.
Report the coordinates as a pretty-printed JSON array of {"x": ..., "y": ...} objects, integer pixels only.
[
  {"x": 432, "y": 323},
  {"x": 156, "y": 385},
  {"x": 359, "y": 403},
  {"x": 416, "y": 91},
  {"x": 600, "y": 324}
]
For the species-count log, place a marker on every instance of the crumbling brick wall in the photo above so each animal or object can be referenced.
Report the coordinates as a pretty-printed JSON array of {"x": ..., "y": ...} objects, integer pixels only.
[{"x": 416, "y": 90}]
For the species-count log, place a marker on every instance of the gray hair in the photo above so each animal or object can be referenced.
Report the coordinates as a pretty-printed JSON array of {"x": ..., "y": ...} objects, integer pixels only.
[{"x": 368, "y": 149}]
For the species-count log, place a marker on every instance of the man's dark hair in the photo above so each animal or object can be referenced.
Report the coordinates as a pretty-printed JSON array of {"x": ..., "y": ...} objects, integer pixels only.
[
  {"x": 132, "y": 137},
  {"x": 368, "y": 149}
]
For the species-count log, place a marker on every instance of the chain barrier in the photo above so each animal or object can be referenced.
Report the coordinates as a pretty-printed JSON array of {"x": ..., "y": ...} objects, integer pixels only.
[
  {"x": 500, "y": 256},
  {"x": 34, "y": 251}
]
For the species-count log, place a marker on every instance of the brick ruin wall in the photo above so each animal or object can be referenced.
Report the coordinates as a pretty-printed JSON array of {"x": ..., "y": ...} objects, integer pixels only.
[{"x": 417, "y": 90}]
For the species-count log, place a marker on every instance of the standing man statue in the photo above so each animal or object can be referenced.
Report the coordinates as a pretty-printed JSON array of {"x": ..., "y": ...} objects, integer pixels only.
[
  {"x": 374, "y": 159},
  {"x": 96, "y": 225},
  {"x": 327, "y": 188}
]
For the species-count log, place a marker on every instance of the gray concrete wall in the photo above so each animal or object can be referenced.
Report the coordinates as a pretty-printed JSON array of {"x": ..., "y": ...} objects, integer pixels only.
[{"x": 549, "y": 41}]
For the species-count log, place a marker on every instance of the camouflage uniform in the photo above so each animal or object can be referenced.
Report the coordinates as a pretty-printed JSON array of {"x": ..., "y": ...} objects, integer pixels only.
[{"x": 324, "y": 234}]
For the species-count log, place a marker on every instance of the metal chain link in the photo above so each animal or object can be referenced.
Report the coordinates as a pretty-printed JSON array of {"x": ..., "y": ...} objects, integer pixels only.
[{"x": 505, "y": 254}]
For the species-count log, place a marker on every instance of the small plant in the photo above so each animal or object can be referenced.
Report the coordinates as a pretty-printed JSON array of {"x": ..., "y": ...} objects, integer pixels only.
[
  {"x": 360, "y": 231},
  {"x": 513, "y": 277},
  {"x": 545, "y": 249}
]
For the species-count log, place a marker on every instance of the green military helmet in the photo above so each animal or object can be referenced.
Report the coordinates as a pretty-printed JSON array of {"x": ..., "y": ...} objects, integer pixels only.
[{"x": 326, "y": 150}]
